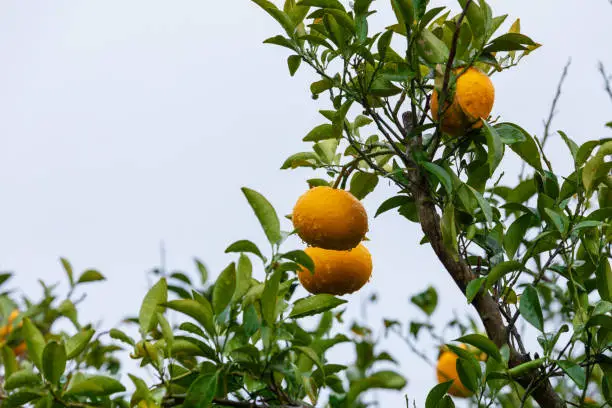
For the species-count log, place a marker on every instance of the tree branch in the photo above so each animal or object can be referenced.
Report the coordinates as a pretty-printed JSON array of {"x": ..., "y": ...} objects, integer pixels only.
[
  {"x": 484, "y": 304},
  {"x": 606, "y": 78},
  {"x": 553, "y": 106}
]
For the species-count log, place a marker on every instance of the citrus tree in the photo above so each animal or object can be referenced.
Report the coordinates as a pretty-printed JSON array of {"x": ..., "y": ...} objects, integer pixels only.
[{"x": 411, "y": 104}]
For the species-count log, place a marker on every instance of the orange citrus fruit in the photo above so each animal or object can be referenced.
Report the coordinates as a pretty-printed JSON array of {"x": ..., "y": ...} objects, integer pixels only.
[
  {"x": 329, "y": 218},
  {"x": 337, "y": 272},
  {"x": 6, "y": 330},
  {"x": 446, "y": 370},
  {"x": 20, "y": 349},
  {"x": 473, "y": 101}
]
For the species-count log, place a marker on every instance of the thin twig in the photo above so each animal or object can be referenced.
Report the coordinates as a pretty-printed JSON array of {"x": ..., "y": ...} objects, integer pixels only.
[
  {"x": 453, "y": 50},
  {"x": 449, "y": 65},
  {"x": 553, "y": 106},
  {"x": 606, "y": 77}
]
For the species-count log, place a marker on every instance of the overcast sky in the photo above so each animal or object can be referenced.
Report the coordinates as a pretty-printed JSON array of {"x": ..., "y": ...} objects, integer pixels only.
[{"x": 124, "y": 123}]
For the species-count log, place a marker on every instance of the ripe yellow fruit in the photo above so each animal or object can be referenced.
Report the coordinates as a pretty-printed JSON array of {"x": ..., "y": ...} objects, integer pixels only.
[
  {"x": 6, "y": 330},
  {"x": 13, "y": 316},
  {"x": 329, "y": 218},
  {"x": 337, "y": 272},
  {"x": 446, "y": 370},
  {"x": 473, "y": 101}
]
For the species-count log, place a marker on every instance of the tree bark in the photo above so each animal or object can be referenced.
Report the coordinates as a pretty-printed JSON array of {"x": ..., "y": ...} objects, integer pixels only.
[{"x": 484, "y": 303}]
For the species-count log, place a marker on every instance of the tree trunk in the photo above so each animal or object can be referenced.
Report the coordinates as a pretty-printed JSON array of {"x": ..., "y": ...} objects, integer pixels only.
[{"x": 485, "y": 305}]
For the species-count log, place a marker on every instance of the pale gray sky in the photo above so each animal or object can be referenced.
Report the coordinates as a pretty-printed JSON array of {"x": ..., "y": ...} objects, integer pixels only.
[{"x": 123, "y": 123}]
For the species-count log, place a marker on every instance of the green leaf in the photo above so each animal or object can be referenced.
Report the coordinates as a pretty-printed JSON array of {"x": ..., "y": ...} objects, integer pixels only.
[
  {"x": 574, "y": 371},
  {"x": 468, "y": 372},
  {"x": 392, "y": 203},
  {"x": 302, "y": 159},
  {"x": 195, "y": 310},
  {"x": 67, "y": 308},
  {"x": 429, "y": 15},
  {"x": 224, "y": 289},
  {"x": 527, "y": 150},
  {"x": 95, "y": 386},
  {"x": 587, "y": 224},
  {"x": 245, "y": 245},
  {"x": 333, "y": 4},
  {"x": 501, "y": 269},
  {"x": 91, "y": 275},
  {"x": 339, "y": 119},
  {"x": 383, "y": 44},
  {"x": 265, "y": 214},
  {"x": 318, "y": 87},
  {"x": 530, "y": 308},
  {"x": 476, "y": 18},
  {"x": 157, "y": 295},
  {"x": 121, "y": 336},
  {"x": 250, "y": 322},
  {"x": 503, "y": 45},
  {"x": 321, "y": 132},
  {"x": 326, "y": 150},
  {"x": 20, "y": 398},
  {"x": 602, "y": 307},
  {"x": 311, "y": 354},
  {"x": 509, "y": 134},
  {"x": 590, "y": 170},
  {"x": 180, "y": 277},
  {"x": 363, "y": 184},
  {"x": 317, "y": 182},
  {"x": 516, "y": 38},
  {"x": 54, "y": 361},
  {"x": 142, "y": 391},
  {"x": 440, "y": 174},
  {"x": 495, "y": 148},
  {"x": 426, "y": 300},
  {"x": 515, "y": 234},
  {"x": 585, "y": 150},
  {"x": 473, "y": 288},
  {"x": 299, "y": 257},
  {"x": 35, "y": 342},
  {"x": 8, "y": 361},
  {"x": 604, "y": 279},
  {"x": 572, "y": 146},
  {"x": 244, "y": 273},
  {"x": 281, "y": 41},
  {"x": 279, "y": 15},
  {"x": 600, "y": 320},
  {"x": 4, "y": 277},
  {"x": 483, "y": 204},
  {"x": 203, "y": 271},
  {"x": 483, "y": 343},
  {"x": 201, "y": 392},
  {"x": 431, "y": 48},
  {"x": 361, "y": 120},
  {"x": 382, "y": 379},
  {"x": 436, "y": 394},
  {"x": 560, "y": 222},
  {"x": 268, "y": 297},
  {"x": 293, "y": 62},
  {"x": 77, "y": 343},
  {"x": 313, "y": 305},
  {"x": 166, "y": 330},
  {"x": 22, "y": 378},
  {"x": 406, "y": 11},
  {"x": 68, "y": 269}
]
